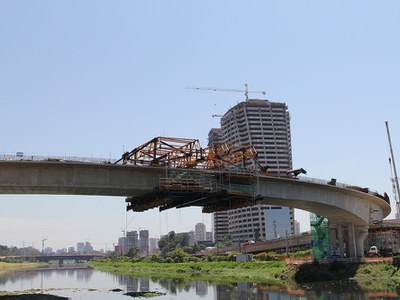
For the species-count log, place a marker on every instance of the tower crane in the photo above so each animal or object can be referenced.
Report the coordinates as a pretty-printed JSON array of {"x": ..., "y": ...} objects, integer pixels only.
[
  {"x": 395, "y": 180},
  {"x": 245, "y": 91},
  {"x": 43, "y": 240}
]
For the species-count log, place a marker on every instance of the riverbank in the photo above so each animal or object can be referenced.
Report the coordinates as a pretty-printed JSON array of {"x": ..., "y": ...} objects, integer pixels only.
[
  {"x": 9, "y": 267},
  {"x": 269, "y": 272},
  {"x": 381, "y": 276}
]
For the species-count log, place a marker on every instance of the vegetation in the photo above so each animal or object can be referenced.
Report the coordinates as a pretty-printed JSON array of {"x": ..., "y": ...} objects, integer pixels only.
[
  {"x": 316, "y": 272},
  {"x": 223, "y": 271},
  {"x": 225, "y": 243},
  {"x": 8, "y": 267},
  {"x": 14, "y": 251},
  {"x": 267, "y": 268},
  {"x": 31, "y": 297},
  {"x": 378, "y": 276},
  {"x": 173, "y": 241},
  {"x": 133, "y": 252}
]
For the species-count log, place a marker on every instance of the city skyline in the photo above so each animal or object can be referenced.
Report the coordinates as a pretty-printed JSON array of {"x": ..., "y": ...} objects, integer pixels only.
[{"x": 96, "y": 79}]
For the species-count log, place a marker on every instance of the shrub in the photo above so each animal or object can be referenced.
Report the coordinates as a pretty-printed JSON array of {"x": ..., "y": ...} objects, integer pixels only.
[
  {"x": 396, "y": 262},
  {"x": 178, "y": 256},
  {"x": 265, "y": 256},
  {"x": 232, "y": 256}
]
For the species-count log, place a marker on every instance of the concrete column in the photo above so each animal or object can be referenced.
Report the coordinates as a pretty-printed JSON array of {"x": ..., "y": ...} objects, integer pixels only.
[
  {"x": 333, "y": 238},
  {"x": 361, "y": 233},
  {"x": 352, "y": 241},
  {"x": 340, "y": 239}
]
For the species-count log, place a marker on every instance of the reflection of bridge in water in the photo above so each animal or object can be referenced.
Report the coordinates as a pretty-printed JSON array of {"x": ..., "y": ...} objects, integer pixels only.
[{"x": 168, "y": 173}]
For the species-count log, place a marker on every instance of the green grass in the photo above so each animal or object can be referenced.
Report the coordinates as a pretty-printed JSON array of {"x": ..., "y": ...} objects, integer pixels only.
[
  {"x": 263, "y": 272},
  {"x": 378, "y": 277},
  {"x": 8, "y": 267},
  {"x": 369, "y": 277}
]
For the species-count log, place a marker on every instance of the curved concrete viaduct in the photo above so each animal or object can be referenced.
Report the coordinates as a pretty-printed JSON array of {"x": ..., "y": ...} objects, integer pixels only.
[{"x": 349, "y": 212}]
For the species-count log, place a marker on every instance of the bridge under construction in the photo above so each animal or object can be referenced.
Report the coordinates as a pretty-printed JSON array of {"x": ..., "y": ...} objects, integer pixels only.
[
  {"x": 167, "y": 172},
  {"x": 217, "y": 178},
  {"x": 231, "y": 180}
]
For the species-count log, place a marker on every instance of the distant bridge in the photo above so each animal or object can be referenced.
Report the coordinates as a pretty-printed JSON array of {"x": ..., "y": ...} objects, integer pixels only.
[
  {"x": 58, "y": 257},
  {"x": 289, "y": 244},
  {"x": 350, "y": 210}
]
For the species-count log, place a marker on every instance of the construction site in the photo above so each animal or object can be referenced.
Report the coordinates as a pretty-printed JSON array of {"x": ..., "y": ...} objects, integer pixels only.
[{"x": 229, "y": 181}]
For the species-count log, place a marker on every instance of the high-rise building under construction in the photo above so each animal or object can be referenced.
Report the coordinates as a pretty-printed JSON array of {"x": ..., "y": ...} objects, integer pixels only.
[{"x": 264, "y": 125}]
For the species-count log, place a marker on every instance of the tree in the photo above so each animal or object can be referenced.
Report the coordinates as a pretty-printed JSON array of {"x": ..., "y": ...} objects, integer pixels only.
[
  {"x": 178, "y": 256},
  {"x": 133, "y": 252},
  {"x": 173, "y": 241},
  {"x": 193, "y": 249}
]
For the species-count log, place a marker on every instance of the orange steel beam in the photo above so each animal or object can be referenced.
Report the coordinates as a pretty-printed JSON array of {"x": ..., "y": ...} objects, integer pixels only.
[{"x": 187, "y": 153}]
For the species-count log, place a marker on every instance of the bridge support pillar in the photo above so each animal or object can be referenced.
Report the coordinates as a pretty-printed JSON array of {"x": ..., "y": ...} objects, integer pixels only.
[
  {"x": 352, "y": 241},
  {"x": 340, "y": 239},
  {"x": 361, "y": 234},
  {"x": 334, "y": 239}
]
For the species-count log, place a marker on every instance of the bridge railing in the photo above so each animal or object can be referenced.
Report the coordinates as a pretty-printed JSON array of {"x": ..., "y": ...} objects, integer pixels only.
[
  {"x": 333, "y": 182},
  {"x": 20, "y": 156},
  {"x": 61, "y": 158}
]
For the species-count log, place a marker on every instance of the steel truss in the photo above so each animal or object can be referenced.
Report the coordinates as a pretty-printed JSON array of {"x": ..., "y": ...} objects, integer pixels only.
[{"x": 187, "y": 153}]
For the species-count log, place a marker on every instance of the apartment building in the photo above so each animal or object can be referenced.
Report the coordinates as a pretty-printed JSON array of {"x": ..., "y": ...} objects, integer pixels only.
[{"x": 264, "y": 125}]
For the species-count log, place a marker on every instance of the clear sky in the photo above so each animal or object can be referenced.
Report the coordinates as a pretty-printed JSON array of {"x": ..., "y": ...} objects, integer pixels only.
[{"x": 95, "y": 78}]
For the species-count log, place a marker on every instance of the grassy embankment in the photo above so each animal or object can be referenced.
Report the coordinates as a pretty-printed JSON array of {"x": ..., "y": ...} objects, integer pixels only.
[
  {"x": 270, "y": 272},
  {"x": 369, "y": 276},
  {"x": 383, "y": 276},
  {"x": 8, "y": 267}
]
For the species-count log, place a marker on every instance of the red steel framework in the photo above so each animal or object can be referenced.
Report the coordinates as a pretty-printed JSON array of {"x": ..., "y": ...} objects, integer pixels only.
[
  {"x": 187, "y": 153},
  {"x": 233, "y": 187}
]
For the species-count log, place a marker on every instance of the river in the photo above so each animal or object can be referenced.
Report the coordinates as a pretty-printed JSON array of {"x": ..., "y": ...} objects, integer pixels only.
[{"x": 86, "y": 283}]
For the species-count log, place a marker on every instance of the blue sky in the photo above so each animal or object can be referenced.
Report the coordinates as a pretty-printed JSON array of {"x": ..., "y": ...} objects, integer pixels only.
[{"x": 95, "y": 78}]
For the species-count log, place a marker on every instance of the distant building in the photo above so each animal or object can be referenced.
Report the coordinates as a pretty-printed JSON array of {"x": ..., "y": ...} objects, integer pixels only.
[
  {"x": 297, "y": 227},
  {"x": 80, "y": 247},
  {"x": 71, "y": 250},
  {"x": 247, "y": 224},
  {"x": 144, "y": 243},
  {"x": 191, "y": 238},
  {"x": 121, "y": 245},
  {"x": 215, "y": 136},
  {"x": 132, "y": 240},
  {"x": 209, "y": 236},
  {"x": 200, "y": 232},
  {"x": 153, "y": 245},
  {"x": 264, "y": 125},
  {"x": 221, "y": 225},
  {"x": 88, "y": 247},
  {"x": 48, "y": 250}
]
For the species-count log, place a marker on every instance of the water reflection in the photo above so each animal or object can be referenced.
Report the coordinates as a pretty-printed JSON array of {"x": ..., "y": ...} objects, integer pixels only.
[{"x": 86, "y": 283}]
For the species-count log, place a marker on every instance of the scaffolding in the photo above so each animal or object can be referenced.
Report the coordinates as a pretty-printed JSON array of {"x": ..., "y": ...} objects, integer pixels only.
[
  {"x": 320, "y": 236},
  {"x": 385, "y": 236},
  {"x": 230, "y": 181},
  {"x": 214, "y": 191}
]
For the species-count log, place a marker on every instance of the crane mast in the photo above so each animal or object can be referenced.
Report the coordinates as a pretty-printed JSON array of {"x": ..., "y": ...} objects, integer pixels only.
[{"x": 395, "y": 179}]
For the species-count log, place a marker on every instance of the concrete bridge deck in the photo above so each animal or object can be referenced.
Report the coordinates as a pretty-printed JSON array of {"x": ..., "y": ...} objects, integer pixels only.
[{"x": 350, "y": 210}]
